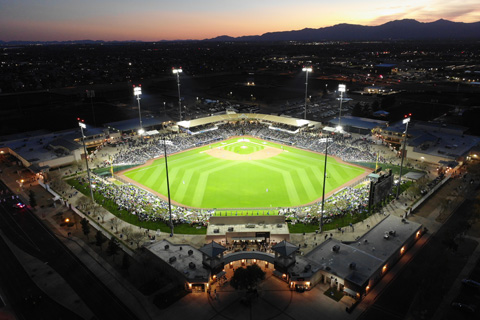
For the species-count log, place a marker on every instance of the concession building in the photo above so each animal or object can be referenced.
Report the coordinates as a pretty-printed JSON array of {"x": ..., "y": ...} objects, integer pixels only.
[{"x": 353, "y": 267}]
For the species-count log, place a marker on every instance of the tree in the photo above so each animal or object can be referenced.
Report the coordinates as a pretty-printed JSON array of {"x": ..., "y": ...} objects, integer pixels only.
[
  {"x": 247, "y": 278},
  {"x": 85, "y": 227},
  {"x": 83, "y": 202},
  {"x": 114, "y": 222},
  {"x": 113, "y": 247},
  {"x": 99, "y": 239},
  {"x": 127, "y": 231},
  {"x": 32, "y": 199},
  {"x": 102, "y": 213},
  {"x": 137, "y": 237}
]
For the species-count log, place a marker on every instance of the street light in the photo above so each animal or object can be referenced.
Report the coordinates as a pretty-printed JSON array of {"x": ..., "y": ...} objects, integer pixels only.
[
  {"x": 405, "y": 121},
  {"x": 341, "y": 89},
  {"x": 137, "y": 91},
  {"x": 177, "y": 72},
  {"x": 82, "y": 126},
  {"x": 306, "y": 70}
]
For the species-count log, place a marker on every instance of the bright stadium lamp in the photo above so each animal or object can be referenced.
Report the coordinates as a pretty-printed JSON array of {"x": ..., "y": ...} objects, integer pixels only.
[
  {"x": 141, "y": 132},
  {"x": 405, "y": 121},
  {"x": 341, "y": 88},
  {"x": 306, "y": 70},
  {"x": 137, "y": 91},
  {"x": 82, "y": 125},
  {"x": 177, "y": 72}
]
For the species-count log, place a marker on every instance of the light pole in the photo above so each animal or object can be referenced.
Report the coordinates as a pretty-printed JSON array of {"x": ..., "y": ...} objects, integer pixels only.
[
  {"x": 137, "y": 91},
  {"x": 168, "y": 185},
  {"x": 324, "y": 181},
  {"x": 405, "y": 122},
  {"x": 177, "y": 72},
  {"x": 341, "y": 89},
  {"x": 306, "y": 70},
  {"x": 82, "y": 126}
]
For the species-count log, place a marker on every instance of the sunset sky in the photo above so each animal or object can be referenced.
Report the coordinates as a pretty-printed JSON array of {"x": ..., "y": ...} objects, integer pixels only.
[{"x": 151, "y": 20}]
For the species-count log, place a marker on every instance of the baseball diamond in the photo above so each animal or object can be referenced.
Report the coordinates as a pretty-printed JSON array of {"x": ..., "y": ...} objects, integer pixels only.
[{"x": 244, "y": 172}]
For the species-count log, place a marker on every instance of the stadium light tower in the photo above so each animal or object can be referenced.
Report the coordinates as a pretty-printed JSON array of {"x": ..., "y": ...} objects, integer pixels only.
[
  {"x": 177, "y": 72},
  {"x": 327, "y": 139},
  {"x": 341, "y": 88},
  {"x": 137, "y": 91},
  {"x": 405, "y": 121},
  {"x": 82, "y": 125},
  {"x": 306, "y": 70},
  {"x": 168, "y": 186}
]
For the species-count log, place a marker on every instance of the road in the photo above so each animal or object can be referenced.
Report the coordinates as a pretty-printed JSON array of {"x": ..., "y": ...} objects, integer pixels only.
[{"x": 23, "y": 228}]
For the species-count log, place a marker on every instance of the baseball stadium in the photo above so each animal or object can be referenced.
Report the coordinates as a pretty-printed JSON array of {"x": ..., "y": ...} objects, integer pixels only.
[{"x": 245, "y": 183}]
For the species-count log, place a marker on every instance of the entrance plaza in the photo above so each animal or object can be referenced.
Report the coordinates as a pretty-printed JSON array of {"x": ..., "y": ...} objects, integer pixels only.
[
  {"x": 351, "y": 268},
  {"x": 274, "y": 301}
]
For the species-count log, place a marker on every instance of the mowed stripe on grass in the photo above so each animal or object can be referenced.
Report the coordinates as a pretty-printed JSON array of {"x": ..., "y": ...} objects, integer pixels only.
[{"x": 292, "y": 178}]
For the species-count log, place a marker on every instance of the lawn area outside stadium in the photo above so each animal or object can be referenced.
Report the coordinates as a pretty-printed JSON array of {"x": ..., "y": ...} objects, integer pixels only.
[{"x": 244, "y": 173}]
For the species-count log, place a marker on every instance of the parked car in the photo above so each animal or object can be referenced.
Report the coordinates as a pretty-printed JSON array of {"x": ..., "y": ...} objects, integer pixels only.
[{"x": 19, "y": 205}]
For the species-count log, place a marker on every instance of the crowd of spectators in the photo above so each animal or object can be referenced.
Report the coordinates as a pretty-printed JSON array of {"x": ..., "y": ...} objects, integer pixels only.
[
  {"x": 138, "y": 151},
  {"x": 145, "y": 205}
]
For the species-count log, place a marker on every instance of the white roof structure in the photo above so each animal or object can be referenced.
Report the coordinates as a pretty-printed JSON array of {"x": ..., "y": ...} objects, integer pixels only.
[{"x": 246, "y": 116}]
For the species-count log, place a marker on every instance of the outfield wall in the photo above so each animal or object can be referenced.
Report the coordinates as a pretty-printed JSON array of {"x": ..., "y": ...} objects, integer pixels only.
[{"x": 247, "y": 219}]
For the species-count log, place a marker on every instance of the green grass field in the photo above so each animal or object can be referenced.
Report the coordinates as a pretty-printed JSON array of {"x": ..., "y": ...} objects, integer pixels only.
[{"x": 292, "y": 178}]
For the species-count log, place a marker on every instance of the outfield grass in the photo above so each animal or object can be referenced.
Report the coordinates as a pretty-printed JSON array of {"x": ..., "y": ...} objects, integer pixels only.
[{"x": 292, "y": 178}]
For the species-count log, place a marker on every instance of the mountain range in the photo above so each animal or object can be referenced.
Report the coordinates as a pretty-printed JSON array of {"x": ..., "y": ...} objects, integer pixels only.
[{"x": 407, "y": 29}]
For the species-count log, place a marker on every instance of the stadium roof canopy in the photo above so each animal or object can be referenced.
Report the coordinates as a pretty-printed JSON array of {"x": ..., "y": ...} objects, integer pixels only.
[
  {"x": 247, "y": 116},
  {"x": 438, "y": 139},
  {"x": 357, "y": 122},
  {"x": 134, "y": 124}
]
